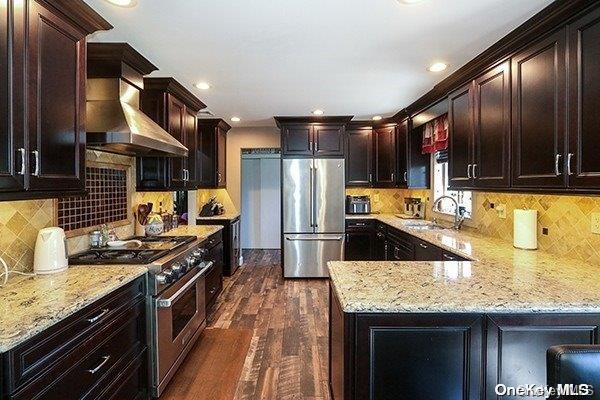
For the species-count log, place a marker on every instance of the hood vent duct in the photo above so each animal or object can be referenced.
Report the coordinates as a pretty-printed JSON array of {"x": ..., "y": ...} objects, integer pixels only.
[{"x": 114, "y": 121}]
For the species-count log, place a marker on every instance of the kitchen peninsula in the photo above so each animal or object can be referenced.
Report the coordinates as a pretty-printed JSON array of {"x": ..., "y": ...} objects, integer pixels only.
[{"x": 454, "y": 329}]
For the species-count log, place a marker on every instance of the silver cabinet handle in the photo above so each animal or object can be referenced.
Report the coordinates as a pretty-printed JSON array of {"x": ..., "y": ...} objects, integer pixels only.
[
  {"x": 23, "y": 153},
  {"x": 97, "y": 317},
  {"x": 556, "y": 164},
  {"x": 102, "y": 363},
  {"x": 569, "y": 159},
  {"x": 311, "y": 146},
  {"x": 392, "y": 176},
  {"x": 473, "y": 170},
  {"x": 220, "y": 177},
  {"x": 406, "y": 176},
  {"x": 469, "y": 170},
  {"x": 370, "y": 178},
  {"x": 422, "y": 245},
  {"x": 36, "y": 157},
  {"x": 447, "y": 257}
]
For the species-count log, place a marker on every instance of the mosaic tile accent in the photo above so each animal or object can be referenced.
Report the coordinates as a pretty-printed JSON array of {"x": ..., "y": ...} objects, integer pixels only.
[{"x": 105, "y": 201}]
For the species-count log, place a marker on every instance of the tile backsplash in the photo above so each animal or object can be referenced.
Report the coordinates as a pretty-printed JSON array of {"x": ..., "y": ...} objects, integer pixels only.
[
  {"x": 20, "y": 221},
  {"x": 387, "y": 200}
]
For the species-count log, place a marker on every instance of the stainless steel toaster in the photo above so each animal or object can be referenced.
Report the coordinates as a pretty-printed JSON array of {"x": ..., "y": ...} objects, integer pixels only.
[{"x": 358, "y": 205}]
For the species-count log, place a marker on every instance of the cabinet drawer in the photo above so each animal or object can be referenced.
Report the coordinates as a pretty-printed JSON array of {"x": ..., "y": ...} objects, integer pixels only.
[
  {"x": 425, "y": 251},
  {"x": 213, "y": 240},
  {"x": 131, "y": 383},
  {"x": 400, "y": 251},
  {"x": 447, "y": 256},
  {"x": 31, "y": 358},
  {"x": 214, "y": 283},
  {"x": 80, "y": 374},
  {"x": 359, "y": 224}
]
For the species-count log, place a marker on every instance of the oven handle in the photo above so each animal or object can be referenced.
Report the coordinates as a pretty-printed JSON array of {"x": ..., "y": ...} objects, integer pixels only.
[{"x": 168, "y": 303}]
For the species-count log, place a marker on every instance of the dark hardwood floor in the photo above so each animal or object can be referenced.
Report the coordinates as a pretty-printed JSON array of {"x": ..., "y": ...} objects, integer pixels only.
[{"x": 288, "y": 353}]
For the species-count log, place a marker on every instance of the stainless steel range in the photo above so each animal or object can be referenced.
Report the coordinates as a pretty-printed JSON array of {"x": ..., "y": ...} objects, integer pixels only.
[{"x": 176, "y": 296}]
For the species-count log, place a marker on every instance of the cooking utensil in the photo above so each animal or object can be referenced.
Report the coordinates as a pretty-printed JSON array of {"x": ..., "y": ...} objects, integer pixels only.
[
  {"x": 123, "y": 243},
  {"x": 143, "y": 212}
]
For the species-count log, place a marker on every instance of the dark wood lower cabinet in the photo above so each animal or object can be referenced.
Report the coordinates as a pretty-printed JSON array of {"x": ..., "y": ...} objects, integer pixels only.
[
  {"x": 444, "y": 356},
  {"x": 98, "y": 353},
  {"x": 359, "y": 244}
]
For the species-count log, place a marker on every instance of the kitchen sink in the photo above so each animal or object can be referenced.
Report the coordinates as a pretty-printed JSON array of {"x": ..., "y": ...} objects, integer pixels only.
[{"x": 428, "y": 227}]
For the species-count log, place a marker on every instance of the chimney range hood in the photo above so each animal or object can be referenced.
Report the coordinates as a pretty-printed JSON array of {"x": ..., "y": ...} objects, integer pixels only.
[{"x": 114, "y": 121}]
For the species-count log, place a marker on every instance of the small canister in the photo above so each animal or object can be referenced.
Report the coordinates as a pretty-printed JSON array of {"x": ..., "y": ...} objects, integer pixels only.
[{"x": 95, "y": 239}]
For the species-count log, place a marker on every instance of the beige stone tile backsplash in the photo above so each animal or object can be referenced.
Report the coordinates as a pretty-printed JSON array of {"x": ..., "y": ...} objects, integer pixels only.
[
  {"x": 20, "y": 221},
  {"x": 388, "y": 201}
]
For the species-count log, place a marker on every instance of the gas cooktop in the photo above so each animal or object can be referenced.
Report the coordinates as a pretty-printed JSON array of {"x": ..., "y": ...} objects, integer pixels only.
[{"x": 151, "y": 249}]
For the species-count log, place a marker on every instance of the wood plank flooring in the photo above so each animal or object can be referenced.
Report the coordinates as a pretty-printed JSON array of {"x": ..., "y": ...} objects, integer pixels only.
[{"x": 288, "y": 354}]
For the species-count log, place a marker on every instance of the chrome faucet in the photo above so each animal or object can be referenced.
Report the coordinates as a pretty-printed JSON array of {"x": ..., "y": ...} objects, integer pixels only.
[{"x": 459, "y": 217}]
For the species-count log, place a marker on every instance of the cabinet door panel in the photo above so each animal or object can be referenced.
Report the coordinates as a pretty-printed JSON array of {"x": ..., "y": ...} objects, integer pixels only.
[
  {"x": 191, "y": 142},
  {"x": 419, "y": 164},
  {"x": 328, "y": 141},
  {"x": 56, "y": 63},
  {"x": 11, "y": 136},
  {"x": 460, "y": 126},
  {"x": 492, "y": 128},
  {"x": 538, "y": 112},
  {"x": 297, "y": 140},
  {"x": 359, "y": 157},
  {"x": 584, "y": 102},
  {"x": 177, "y": 129},
  {"x": 359, "y": 246},
  {"x": 385, "y": 156},
  {"x": 516, "y": 346}
]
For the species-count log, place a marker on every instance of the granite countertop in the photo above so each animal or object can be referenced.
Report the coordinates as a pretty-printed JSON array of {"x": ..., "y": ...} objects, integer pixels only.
[
  {"x": 499, "y": 279},
  {"x": 201, "y": 231},
  {"x": 29, "y": 305},
  {"x": 225, "y": 216}
]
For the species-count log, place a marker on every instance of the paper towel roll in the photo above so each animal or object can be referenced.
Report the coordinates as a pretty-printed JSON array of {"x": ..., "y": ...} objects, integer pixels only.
[{"x": 525, "y": 229}]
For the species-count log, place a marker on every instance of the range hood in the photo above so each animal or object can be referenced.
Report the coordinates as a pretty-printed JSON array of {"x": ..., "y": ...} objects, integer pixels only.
[{"x": 114, "y": 122}]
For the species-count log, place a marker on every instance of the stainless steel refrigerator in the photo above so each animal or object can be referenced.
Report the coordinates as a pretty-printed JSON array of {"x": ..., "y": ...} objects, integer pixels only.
[{"x": 313, "y": 215}]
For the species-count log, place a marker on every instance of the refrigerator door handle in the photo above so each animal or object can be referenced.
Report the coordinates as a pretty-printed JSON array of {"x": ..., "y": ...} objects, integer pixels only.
[
  {"x": 312, "y": 189},
  {"x": 314, "y": 197},
  {"x": 315, "y": 239}
]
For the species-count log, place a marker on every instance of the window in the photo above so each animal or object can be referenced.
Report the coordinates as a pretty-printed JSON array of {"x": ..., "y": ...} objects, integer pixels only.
[{"x": 440, "y": 188}]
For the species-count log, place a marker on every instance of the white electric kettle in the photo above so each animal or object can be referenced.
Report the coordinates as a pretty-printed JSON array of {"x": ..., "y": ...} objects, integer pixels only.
[{"x": 50, "y": 251}]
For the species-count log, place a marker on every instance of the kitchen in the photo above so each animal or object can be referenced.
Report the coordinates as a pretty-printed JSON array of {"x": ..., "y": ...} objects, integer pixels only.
[{"x": 437, "y": 243}]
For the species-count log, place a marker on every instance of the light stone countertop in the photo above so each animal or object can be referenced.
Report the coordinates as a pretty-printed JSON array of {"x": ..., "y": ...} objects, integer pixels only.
[
  {"x": 500, "y": 279},
  {"x": 225, "y": 216},
  {"x": 200, "y": 231},
  {"x": 29, "y": 305}
]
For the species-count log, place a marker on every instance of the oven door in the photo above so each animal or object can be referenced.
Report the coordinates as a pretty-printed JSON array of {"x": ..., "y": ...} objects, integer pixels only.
[{"x": 180, "y": 315}]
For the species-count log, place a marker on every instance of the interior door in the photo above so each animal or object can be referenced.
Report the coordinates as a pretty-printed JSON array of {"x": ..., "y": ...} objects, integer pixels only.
[
  {"x": 583, "y": 159},
  {"x": 56, "y": 90},
  {"x": 538, "y": 114},
  {"x": 177, "y": 129},
  {"x": 297, "y": 182},
  {"x": 492, "y": 128},
  {"x": 12, "y": 153},
  {"x": 460, "y": 139},
  {"x": 329, "y": 194}
]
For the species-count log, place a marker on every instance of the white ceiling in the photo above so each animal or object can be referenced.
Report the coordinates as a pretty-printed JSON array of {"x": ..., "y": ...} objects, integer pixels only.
[{"x": 288, "y": 57}]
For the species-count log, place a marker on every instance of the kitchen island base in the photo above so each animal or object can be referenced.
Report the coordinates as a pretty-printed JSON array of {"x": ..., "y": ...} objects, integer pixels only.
[{"x": 425, "y": 356}]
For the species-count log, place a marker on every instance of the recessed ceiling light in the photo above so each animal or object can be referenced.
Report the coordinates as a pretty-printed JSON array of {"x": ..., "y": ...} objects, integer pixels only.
[
  {"x": 409, "y": 2},
  {"x": 123, "y": 3},
  {"x": 235, "y": 119},
  {"x": 437, "y": 67},
  {"x": 318, "y": 112},
  {"x": 377, "y": 118},
  {"x": 202, "y": 85}
]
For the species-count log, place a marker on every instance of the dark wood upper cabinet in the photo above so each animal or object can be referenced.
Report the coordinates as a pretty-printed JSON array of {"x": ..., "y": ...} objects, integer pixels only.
[
  {"x": 12, "y": 152},
  {"x": 460, "y": 137},
  {"x": 313, "y": 136},
  {"x": 491, "y": 152},
  {"x": 56, "y": 67},
  {"x": 539, "y": 114},
  {"x": 384, "y": 149},
  {"x": 297, "y": 140},
  {"x": 402, "y": 153},
  {"x": 328, "y": 140},
  {"x": 583, "y": 157},
  {"x": 213, "y": 152},
  {"x": 174, "y": 108},
  {"x": 417, "y": 164},
  {"x": 359, "y": 159},
  {"x": 42, "y": 97}
]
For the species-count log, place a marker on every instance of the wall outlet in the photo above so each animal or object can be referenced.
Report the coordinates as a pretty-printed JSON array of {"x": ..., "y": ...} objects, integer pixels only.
[
  {"x": 596, "y": 223},
  {"x": 501, "y": 210}
]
